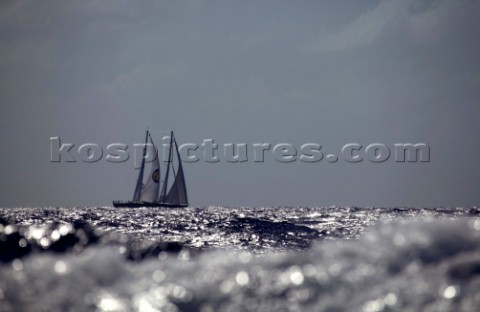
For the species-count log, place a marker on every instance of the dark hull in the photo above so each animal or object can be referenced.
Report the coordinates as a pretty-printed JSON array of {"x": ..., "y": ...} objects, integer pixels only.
[{"x": 130, "y": 204}]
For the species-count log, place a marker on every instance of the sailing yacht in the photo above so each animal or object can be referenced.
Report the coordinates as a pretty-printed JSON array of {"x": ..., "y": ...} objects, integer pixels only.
[{"x": 171, "y": 193}]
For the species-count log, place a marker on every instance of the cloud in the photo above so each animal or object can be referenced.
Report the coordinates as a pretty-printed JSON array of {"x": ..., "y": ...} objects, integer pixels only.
[{"x": 420, "y": 21}]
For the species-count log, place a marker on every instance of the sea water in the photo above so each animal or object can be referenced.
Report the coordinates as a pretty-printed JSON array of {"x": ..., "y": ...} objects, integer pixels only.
[{"x": 240, "y": 259}]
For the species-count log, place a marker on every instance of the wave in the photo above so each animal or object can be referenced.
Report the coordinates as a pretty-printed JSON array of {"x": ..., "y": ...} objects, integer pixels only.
[{"x": 410, "y": 265}]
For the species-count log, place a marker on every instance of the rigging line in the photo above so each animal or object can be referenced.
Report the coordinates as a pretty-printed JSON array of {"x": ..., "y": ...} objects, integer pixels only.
[
  {"x": 173, "y": 168},
  {"x": 153, "y": 143},
  {"x": 167, "y": 131}
]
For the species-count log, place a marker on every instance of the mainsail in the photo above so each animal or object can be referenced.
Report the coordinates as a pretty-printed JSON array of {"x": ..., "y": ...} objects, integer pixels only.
[
  {"x": 138, "y": 187},
  {"x": 148, "y": 192},
  {"x": 151, "y": 187}
]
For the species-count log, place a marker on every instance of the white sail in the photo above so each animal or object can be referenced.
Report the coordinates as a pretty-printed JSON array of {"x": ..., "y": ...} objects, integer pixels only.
[
  {"x": 139, "y": 185},
  {"x": 152, "y": 185}
]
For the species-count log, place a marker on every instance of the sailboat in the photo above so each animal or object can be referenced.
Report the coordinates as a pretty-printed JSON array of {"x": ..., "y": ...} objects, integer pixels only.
[{"x": 149, "y": 194}]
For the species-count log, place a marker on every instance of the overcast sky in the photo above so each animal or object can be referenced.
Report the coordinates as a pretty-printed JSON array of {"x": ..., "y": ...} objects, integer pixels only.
[{"x": 329, "y": 72}]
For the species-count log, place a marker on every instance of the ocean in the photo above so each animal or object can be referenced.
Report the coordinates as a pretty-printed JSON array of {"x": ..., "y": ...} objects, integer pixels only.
[{"x": 240, "y": 259}]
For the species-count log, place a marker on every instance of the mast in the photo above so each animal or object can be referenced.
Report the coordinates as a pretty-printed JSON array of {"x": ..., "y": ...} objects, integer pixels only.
[
  {"x": 164, "y": 195},
  {"x": 138, "y": 187}
]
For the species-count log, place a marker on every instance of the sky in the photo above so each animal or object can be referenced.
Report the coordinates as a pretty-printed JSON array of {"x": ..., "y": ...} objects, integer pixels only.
[{"x": 327, "y": 72}]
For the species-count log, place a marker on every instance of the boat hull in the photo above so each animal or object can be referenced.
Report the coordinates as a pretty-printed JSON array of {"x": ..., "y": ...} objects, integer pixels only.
[{"x": 131, "y": 204}]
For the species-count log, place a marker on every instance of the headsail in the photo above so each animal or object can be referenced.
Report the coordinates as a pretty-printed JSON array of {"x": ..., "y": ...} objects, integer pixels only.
[{"x": 178, "y": 192}]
